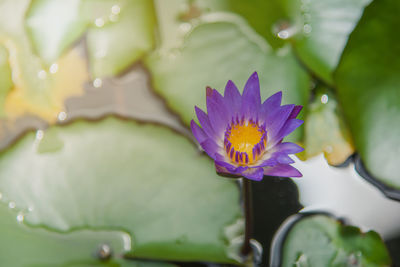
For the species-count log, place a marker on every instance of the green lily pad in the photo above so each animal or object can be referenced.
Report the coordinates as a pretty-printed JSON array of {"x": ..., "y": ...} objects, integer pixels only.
[
  {"x": 322, "y": 28},
  {"x": 215, "y": 52},
  {"x": 26, "y": 246},
  {"x": 368, "y": 87},
  {"x": 320, "y": 240},
  {"x": 325, "y": 130},
  {"x": 53, "y": 26},
  {"x": 120, "y": 175},
  {"x": 120, "y": 38},
  {"x": 6, "y": 82}
]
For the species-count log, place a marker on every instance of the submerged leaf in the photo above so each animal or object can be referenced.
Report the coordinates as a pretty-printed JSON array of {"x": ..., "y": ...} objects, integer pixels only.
[{"x": 325, "y": 130}]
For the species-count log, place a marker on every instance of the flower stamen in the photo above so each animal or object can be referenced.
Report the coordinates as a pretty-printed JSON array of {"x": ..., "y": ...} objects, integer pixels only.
[{"x": 244, "y": 141}]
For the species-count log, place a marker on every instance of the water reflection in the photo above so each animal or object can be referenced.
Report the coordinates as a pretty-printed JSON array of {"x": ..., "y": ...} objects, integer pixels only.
[{"x": 344, "y": 193}]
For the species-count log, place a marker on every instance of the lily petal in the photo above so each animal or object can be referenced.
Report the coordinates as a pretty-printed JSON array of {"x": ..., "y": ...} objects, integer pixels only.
[
  {"x": 218, "y": 113},
  {"x": 251, "y": 99},
  {"x": 233, "y": 97},
  {"x": 198, "y": 133},
  {"x": 282, "y": 170}
]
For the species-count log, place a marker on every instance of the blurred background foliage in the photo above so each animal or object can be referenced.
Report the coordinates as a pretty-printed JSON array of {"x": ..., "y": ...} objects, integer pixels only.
[{"x": 96, "y": 97}]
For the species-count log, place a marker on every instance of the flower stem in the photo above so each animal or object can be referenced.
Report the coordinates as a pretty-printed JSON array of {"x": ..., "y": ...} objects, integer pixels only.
[{"x": 248, "y": 215}]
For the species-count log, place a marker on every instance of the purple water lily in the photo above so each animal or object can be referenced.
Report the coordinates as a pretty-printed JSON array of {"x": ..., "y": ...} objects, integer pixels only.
[{"x": 244, "y": 136}]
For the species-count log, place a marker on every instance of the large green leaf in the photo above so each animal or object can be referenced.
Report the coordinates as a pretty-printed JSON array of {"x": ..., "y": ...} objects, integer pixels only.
[
  {"x": 218, "y": 51},
  {"x": 368, "y": 84},
  {"x": 119, "y": 175},
  {"x": 325, "y": 129},
  {"x": 24, "y": 246},
  {"x": 319, "y": 240},
  {"x": 323, "y": 28}
]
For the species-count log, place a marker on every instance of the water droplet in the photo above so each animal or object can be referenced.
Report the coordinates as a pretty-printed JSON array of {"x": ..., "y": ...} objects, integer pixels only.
[
  {"x": 97, "y": 83},
  {"x": 283, "y": 34},
  {"x": 307, "y": 28},
  {"x": 1, "y": 196},
  {"x": 42, "y": 74},
  {"x": 328, "y": 149},
  {"x": 39, "y": 134},
  {"x": 100, "y": 53},
  {"x": 11, "y": 205},
  {"x": 352, "y": 260},
  {"x": 284, "y": 30},
  {"x": 104, "y": 252},
  {"x": 302, "y": 260},
  {"x": 20, "y": 217},
  {"x": 324, "y": 99},
  {"x": 113, "y": 17},
  {"x": 185, "y": 27},
  {"x": 304, "y": 8},
  {"x": 62, "y": 116},
  {"x": 30, "y": 209},
  {"x": 99, "y": 22},
  {"x": 115, "y": 9},
  {"x": 53, "y": 68}
]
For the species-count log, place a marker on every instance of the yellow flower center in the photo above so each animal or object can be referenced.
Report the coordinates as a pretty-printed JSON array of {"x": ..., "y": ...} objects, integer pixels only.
[{"x": 245, "y": 142}]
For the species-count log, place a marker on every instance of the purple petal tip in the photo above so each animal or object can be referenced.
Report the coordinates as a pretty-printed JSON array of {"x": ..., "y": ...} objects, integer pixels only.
[{"x": 209, "y": 91}]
